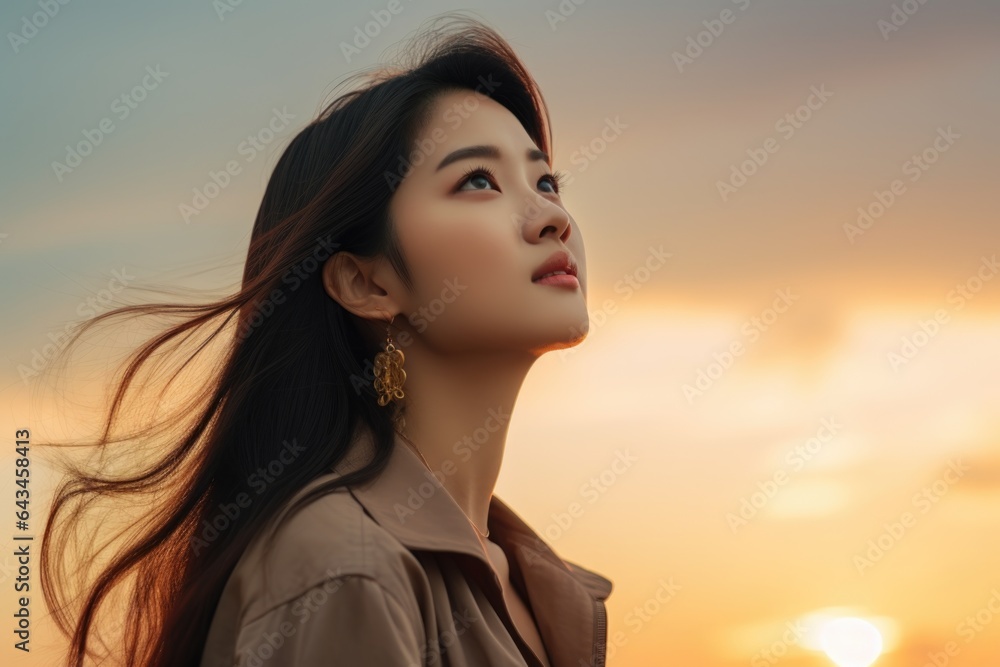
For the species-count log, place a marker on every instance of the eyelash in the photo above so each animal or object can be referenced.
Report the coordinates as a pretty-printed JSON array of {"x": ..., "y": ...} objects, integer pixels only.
[{"x": 557, "y": 178}]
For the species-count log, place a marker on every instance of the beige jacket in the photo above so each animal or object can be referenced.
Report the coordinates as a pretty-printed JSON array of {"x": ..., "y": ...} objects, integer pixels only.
[{"x": 393, "y": 574}]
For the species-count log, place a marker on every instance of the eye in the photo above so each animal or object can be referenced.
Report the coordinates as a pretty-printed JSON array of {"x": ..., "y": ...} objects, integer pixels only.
[
  {"x": 557, "y": 180},
  {"x": 482, "y": 174},
  {"x": 479, "y": 174}
]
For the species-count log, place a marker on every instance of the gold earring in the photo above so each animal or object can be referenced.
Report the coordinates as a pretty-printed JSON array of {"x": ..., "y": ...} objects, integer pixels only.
[{"x": 389, "y": 373}]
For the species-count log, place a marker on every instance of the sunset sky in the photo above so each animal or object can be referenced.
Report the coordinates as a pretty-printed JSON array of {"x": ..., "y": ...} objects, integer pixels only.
[{"x": 820, "y": 175}]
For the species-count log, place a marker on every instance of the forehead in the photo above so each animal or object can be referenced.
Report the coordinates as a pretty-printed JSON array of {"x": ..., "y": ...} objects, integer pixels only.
[{"x": 461, "y": 118}]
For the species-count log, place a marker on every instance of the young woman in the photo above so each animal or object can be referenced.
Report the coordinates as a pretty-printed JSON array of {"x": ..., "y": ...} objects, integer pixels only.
[{"x": 331, "y": 500}]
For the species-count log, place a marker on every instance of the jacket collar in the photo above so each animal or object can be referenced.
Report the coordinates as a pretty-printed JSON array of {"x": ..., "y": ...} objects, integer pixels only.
[{"x": 410, "y": 503}]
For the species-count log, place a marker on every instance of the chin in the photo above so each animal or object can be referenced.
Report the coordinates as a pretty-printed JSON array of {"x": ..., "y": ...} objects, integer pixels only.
[
  {"x": 565, "y": 331},
  {"x": 556, "y": 346}
]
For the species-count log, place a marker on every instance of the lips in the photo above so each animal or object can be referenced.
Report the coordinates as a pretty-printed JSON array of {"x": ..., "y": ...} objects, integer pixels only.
[{"x": 558, "y": 263}]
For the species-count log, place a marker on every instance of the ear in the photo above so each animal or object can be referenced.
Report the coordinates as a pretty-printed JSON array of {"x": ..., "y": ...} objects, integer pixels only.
[{"x": 356, "y": 283}]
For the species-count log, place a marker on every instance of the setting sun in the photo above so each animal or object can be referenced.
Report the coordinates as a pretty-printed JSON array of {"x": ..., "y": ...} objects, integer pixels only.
[{"x": 851, "y": 642}]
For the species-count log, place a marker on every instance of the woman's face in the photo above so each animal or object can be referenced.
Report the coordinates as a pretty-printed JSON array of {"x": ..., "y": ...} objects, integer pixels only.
[{"x": 474, "y": 242}]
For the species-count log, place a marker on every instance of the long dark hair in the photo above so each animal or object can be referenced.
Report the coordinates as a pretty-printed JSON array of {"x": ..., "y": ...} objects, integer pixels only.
[{"x": 294, "y": 368}]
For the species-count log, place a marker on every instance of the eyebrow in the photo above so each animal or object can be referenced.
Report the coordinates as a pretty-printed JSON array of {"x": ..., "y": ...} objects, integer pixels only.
[{"x": 532, "y": 154}]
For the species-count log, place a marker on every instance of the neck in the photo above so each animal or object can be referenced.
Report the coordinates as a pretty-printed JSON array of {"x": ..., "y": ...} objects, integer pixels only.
[{"x": 457, "y": 414}]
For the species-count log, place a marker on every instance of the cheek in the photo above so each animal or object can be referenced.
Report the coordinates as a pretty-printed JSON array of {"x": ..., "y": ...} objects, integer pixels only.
[{"x": 477, "y": 252}]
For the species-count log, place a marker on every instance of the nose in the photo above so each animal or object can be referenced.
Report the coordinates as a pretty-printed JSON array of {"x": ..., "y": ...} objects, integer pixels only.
[{"x": 543, "y": 217}]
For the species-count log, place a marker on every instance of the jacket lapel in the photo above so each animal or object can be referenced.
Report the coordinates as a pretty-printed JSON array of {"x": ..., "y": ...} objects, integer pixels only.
[
  {"x": 564, "y": 596},
  {"x": 411, "y": 504}
]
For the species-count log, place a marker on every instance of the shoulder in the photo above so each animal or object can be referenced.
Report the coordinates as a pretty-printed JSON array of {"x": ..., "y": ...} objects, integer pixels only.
[
  {"x": 353, "y": 618},
  {"x": 327, "y": 542}
]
